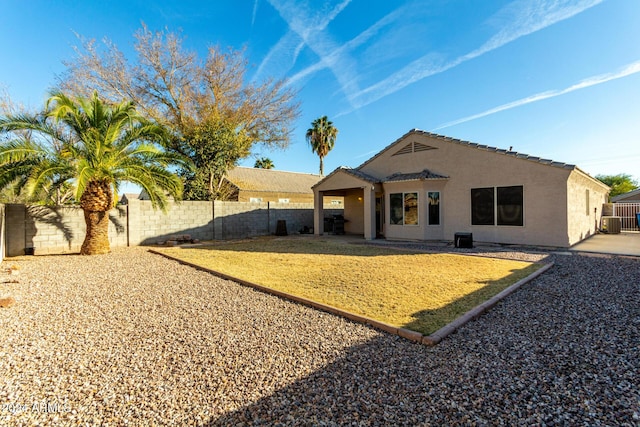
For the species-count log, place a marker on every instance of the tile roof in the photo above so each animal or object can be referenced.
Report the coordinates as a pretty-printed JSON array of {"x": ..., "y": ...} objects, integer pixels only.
[
  {"x": 256, "y": 179},
  {"x": 476, "y": 146},
  {"x": 353, "y": 172},
  {"x": 625, "y": 195},
  {"x": 415, "y": 176}
]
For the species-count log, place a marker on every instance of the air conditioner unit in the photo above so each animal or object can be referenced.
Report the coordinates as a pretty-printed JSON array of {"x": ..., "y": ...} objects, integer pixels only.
[{"x": 611, "y": 224}]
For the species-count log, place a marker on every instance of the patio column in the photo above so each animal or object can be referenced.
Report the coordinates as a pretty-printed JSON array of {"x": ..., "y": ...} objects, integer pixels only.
[
  {"x": 369, "y": 212},
  {"x": 318, "y": 213}
]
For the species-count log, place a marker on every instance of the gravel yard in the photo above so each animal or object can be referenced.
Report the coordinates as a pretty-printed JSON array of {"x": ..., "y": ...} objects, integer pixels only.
[{"x": 132, "y": 338}]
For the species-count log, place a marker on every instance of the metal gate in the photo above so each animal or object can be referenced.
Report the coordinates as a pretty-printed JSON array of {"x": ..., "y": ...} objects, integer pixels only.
[{"x": 627, "y": 213}]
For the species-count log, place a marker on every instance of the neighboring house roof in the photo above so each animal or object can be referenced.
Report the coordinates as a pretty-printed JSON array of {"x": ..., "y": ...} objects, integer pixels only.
[
  {"x": 416, "y": 176},
  {"x": 124, "y": 198},
  {"x": 626, "y": 196},
  {"x": 145, "y": 196},
  {"x": 270, "y": 180},
  {"x": 469, "y": 144}
]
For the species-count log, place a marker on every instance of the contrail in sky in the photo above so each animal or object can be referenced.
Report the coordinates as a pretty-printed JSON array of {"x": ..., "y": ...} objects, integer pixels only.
[
  {"x": 305, "y": 29},
  {"x": 630, "y": 69},
  {"x": 527, "y": 17}
]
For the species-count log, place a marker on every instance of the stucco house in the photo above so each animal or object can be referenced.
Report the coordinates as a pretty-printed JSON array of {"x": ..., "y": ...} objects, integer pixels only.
[{"x": 425, "y": 186}]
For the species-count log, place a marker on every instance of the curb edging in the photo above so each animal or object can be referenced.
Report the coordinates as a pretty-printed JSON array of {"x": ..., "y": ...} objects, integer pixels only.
[
  {"x": 417, "y": 337},
  {"x": 477, "y": 311}
]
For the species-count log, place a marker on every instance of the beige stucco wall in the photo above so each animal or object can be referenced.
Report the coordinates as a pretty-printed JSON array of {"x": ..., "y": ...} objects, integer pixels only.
[
  {"x": 349, "y": 187},
  {"x": 354, "y": 212},
  {"x": 545, "y": 191},
  {"x": 422, "y": 231},
  {"x": 585, "y": 199}
]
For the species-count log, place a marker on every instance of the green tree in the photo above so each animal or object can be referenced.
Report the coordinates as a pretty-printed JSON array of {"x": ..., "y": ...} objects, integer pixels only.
[
  {"x": 620, "y": 184},
  {"x": 12, "y": 193},
  {"x": 198, "y": 99},
  {"x": 93, "y": 147},
  {"x": 321, "y": 136},
  {"x": 215, "y": 147},
  {"x": 264, "y": 163}
]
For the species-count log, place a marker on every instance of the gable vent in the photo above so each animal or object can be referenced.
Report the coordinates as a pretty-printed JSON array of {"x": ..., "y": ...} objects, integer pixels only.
[{"x": 414, "y": 147}]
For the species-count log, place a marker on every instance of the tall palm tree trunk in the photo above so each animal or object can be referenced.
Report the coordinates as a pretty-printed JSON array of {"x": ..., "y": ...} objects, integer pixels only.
[{"x": 96, "y": 201}]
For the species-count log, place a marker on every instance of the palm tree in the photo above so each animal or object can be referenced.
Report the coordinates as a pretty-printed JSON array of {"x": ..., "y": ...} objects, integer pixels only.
[
  {"x": 264, "y": 163},
  {"x": 93, "y": 146},
  {"x": 322, "y": 137}
]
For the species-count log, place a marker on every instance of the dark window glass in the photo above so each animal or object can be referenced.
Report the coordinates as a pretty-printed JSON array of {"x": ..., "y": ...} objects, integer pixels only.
[
  {"x": 510, "y": 205},
  {"x": 482, "y": 206},
  {"x": 434, "y": 207},
  {"x": 395, "y": 208}
]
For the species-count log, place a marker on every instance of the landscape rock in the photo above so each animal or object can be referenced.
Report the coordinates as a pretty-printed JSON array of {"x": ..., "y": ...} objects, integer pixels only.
[{"x": 131, "y": 338}]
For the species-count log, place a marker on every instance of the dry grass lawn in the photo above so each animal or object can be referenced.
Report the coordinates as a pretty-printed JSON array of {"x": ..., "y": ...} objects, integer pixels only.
[{"x": 417, "y": 291}]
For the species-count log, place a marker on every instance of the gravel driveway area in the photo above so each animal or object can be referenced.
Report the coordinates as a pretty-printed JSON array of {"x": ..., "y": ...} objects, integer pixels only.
[{"x": 131, "y": 338}]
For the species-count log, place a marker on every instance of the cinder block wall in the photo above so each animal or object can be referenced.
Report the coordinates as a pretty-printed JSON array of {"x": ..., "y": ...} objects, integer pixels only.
[
  {"x": 54, "y": 230},
  {"x": 236, "y": 220},
  {"x": 62, "y": 229},
  {"x": 148, "y": 226}
]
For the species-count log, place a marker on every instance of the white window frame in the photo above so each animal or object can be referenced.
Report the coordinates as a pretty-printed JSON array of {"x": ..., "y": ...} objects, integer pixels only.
[{"x": 404, "y": 223}]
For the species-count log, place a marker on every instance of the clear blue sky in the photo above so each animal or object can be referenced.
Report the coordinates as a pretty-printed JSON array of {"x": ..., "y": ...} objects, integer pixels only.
[{"x": 558, "y": 79}]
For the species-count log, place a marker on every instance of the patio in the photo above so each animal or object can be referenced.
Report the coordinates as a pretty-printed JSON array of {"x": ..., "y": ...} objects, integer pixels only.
[{"x": 625, "y": 243}]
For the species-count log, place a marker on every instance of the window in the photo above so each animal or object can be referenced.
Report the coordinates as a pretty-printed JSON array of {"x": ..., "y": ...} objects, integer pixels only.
[
  {"x": 395, "y": 206},
  {"x": 403, "y": 208},
  {"x": 283, "y": 200},
  {"x": 434, "y": 208},
  {"x": 482, "y": 212},
  {"x": 336, "y": 202},
  {"x": 510, "y": 205},
  {"x": 497, "y": 206},
  {"x": 255, "y": 199}
]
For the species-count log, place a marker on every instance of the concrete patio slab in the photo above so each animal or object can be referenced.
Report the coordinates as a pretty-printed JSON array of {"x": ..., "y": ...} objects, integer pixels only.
[{"x": 616, "y": 244}]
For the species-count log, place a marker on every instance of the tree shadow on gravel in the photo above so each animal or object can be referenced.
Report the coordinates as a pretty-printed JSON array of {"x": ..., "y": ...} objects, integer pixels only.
[
  {"x": 368, "y": 384},
  {"x": 387, "y": 380},
  {"x": 430, "y": 320},
  {"x": 546, "y": 355}
]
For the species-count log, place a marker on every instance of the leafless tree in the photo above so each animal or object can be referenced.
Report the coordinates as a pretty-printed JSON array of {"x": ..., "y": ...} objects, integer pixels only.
[{"x": 189, "y": 95}]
